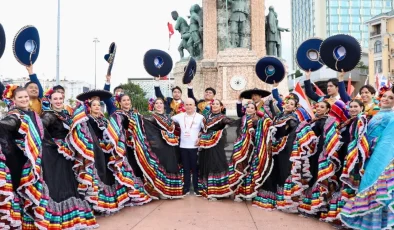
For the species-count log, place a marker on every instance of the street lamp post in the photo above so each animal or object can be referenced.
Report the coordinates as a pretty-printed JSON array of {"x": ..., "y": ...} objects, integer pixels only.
[
  {"x": 95, "y": 65},
  {"x": 58, "y": 43}
]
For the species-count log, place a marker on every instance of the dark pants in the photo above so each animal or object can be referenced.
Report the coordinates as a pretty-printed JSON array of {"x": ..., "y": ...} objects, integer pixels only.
[{"x": 189, "y": 161}]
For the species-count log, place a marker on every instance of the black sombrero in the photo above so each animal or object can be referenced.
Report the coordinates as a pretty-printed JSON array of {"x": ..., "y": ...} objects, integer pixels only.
[
  {"x": 247, "y": 94},
  {"x": 102, "y": 94},
  {"x": 190, "y": 71},
  {"x": 308, "y": 56},
  {"x": 340, "y": 51},
  {"x": 27, "y": 45},
  {"x": 270, "y": 69},
  {"x": 110, "y": 57},
  {"x": 157, "y": 63},
  {"x": 2, "y": 40}
]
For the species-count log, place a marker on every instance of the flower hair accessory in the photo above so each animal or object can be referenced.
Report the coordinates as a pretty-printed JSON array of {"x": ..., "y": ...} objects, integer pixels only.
[
  {"x": 382, "y": 90},
  {"x": 246, "y": 105},
  {"x": 7, "y": 94},
  {"x": 87, "y": 105},
  {"x": 151, "y": 104},
  {"x": 117, "y": 98},
  {"x": 46, "y": 105},
  {"x": 291, "y": 96}
]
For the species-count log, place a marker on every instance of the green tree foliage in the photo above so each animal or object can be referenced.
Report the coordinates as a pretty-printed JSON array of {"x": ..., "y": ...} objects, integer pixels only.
[
  {"x": 71, "y": 102},
  {"x": 137, "y": 96},
  {"x": 298, "y": 73},
  {"x": 361, "y": 65}
]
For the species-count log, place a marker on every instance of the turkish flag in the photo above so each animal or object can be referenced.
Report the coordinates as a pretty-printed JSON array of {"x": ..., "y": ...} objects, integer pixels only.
[
  {"x": 303, "y": 99},
  {"x": 170, "y": 29},
  {"x": 318, "y": 90},
  {"x": 350, "y": 87}
]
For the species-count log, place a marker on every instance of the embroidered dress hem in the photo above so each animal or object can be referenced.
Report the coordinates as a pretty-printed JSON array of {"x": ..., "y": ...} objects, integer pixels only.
[
  {"x": 260, "y": 165},
  {"x": 372, "y": 208},
  {"x": 159, "y": 181},
  {"x": 72, "y": 213},
  {"x": 10, "y": 210}
]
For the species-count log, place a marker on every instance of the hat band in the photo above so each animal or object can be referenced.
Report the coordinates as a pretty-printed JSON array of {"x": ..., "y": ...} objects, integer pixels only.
[
  {"x": 159, "y": 62},
  {"x": 312, "y": 55},
  {"x": 30, "y": 47},
  {"x": 339, "y": 55},
  {"x": 269, "y": 70}
]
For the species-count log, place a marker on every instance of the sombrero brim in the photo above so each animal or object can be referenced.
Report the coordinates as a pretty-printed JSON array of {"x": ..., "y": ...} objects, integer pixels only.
[
  {"x": 247, "y": 94},
  {"x": 110, "y": 57},
  {"x": 111, "y": 53},
  {"x": 2, "y": 40},
  {"x": 270, "y": 69},
  {"x": 190, "y": 71},
  {"x": 22, "y": 55},
  {"x": 351, "y": 58},
  {"x": 102, "y": 94},
  {"x": 157, "y": 63},
  {"x": 303, "y": 57}
]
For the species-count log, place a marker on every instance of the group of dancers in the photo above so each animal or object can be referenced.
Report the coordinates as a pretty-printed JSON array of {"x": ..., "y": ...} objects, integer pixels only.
[{"x": 62, "y": 166}]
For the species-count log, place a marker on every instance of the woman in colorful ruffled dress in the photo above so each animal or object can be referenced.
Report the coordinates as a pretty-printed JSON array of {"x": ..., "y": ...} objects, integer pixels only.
[
  {"x": 367, "y": 94},
  {"x": 21, "y": 134},
  {"x": 371, "y": 208},
  {"x": 250, "y": 156},
  {"x": 159, "y": 130},
  {"x": 317, "y": 143},
  {"x": 214, "y": 177},
  {"x": 102, "y": 177},
  {"x": 301, "y": 113},
  {"x": 127, "y": 133},
  {"x": 62, "y": 207},
  {"x": 278, "y": 191},
  {"x": 351, "y": 155}
]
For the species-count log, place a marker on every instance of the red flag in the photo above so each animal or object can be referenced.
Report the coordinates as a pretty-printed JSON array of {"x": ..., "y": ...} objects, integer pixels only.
[
  {"x": 350, "y": 88},
  {"x": 170, "y": 29},
  {"x": 318, "y": 90},
  {"x": 377, "y": 84},
  {"x": 303, "y": 99}
]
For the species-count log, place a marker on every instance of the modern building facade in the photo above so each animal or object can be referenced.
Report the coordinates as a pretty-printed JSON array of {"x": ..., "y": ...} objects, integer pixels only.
[
  {"x": 324, "y": 18},
  {"x": 381, "y": 46},
  {"x": 72, "y": 88},
  {"x": 148, "y": 86}
]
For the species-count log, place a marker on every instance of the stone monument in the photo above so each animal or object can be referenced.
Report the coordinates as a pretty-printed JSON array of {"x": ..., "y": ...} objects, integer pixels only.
[
  {"x": 229, "y": 68},
  {"x": 272, "y": 34}
]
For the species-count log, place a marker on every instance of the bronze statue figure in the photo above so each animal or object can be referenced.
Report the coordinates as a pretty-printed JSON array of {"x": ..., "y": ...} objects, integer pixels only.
[
  {"x": 183, "y": 28},
  {"x": 238, "y": 18},
  {"x": 272, "y": 33},
  {"x": 195, "y": 29}
]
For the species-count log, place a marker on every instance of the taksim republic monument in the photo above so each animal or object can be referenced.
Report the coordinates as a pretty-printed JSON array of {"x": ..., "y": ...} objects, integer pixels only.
[{"x": 227, "y": 38}]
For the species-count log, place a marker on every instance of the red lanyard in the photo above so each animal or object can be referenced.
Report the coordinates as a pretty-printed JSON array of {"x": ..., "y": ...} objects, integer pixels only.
[{"x": 184, "y": 120}]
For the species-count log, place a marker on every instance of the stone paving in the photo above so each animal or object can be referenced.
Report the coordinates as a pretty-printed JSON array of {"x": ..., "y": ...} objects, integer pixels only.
[{"x": 193, "y": 213}]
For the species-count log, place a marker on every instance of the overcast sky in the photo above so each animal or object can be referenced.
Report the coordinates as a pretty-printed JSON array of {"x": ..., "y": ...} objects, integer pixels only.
[{"x": 135, "y": 28}]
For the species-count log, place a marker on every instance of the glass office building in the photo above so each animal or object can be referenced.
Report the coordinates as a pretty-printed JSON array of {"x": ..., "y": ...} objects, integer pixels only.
[{"x": 323, "y": 18}]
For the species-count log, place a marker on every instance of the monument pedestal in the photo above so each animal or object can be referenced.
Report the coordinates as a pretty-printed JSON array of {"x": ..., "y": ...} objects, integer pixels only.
[
  {"x": 228, "y": 70},
  {"x": 230, "y": 64},
  {"x": 234, "y": 64}
]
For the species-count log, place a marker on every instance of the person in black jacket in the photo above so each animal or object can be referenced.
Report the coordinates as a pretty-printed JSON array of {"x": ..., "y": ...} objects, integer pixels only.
[
  {"x": 332, "y": 89},
  {"x": 173, "y": 105},
  {"x": 209, "y": 95},
  {"x": 265, "y": 105}
]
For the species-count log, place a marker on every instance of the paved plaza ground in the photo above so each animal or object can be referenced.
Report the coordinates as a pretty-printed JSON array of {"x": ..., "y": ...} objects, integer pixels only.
[{"x": 197, "y": 213}]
